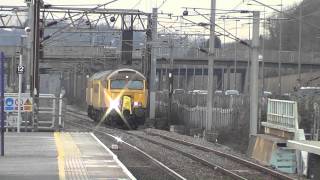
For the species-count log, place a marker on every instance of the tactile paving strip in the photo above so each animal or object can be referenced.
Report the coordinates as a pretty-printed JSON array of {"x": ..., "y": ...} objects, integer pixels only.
[{"x": 69, "y": 153}]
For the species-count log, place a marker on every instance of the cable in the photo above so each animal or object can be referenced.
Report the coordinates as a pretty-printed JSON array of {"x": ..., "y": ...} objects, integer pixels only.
[
  {"x": 235, "y": 37},
  {"x": 83, "y": 14},
  {"x": 293, "y": 17},
  {"x": 136, "y": 4},
  {"x": 163, "y": 2}
]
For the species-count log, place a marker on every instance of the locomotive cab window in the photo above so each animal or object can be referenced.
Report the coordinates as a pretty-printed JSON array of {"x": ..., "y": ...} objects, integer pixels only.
[
  {"x": 121, "y": 84},
  {"x": 135, "y": 84},
  {"x": 118, "y": 84}
]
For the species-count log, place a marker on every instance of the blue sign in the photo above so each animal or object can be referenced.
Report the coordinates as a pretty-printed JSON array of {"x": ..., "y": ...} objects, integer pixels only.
[
  {"x": 9, "y": 101},
  {"x": 9, "y": 104}
]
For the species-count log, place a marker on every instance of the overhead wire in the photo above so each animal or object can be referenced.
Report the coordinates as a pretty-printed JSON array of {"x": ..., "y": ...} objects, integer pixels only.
[
  {"x": 83, "y": 14},
  {"x": 282, "y": 12},
  {"x": 226, "y": 31}
]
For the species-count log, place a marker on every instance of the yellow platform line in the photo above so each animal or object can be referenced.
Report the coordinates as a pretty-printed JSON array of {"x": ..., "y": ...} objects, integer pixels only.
[
  {"x": 68, "y": 156},
  {"x": 61, "y": 155}
]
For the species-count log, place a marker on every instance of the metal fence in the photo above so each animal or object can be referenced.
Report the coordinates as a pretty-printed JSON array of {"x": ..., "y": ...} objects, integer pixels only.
[
  {"x": 282, "y": 114},
  {"x": 191, "y": 111},
  {"x": 50, "y": 114}
]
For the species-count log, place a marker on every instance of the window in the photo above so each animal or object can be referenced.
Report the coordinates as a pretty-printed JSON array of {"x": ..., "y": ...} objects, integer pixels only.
[
  {"x": 121, "y": 84},
  {"x": 135, "y": 85},
  {"x": 118, "y": 84}
]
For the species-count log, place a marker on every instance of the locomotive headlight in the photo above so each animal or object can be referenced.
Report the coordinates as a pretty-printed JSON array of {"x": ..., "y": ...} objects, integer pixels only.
[
  {"x": 137, "y": 104},
  {"x": 114, "y": 103}
]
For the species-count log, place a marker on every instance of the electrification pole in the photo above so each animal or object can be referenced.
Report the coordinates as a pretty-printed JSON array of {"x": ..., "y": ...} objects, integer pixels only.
[
  {"x": 211, "y": 64},
  {"x": 153, "y": 65},
  {"x": 254, "y": 87},
  {"x": 300, "y": 33},
  {"x": 279, "y": 54},
  {"x": 263, "y": 48},
  {"x": 35, "y": 63},
  {"x": 235, "y": 57},
  {"x": 29, "y": 47}
]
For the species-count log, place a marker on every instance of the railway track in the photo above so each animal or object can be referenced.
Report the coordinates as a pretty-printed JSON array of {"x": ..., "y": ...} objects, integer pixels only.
[
  {"x": 227, "y": 164},
  {"x": 245, "y": 162},
  {"x": 165, "y": 168}
]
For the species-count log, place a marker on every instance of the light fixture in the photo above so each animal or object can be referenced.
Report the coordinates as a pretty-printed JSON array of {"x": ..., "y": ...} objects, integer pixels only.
[{"x": 185, "y": 13}]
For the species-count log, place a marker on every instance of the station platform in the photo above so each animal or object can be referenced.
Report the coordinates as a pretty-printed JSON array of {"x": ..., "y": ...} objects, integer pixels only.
[
  {"x": 59, "y": 156},
  {"x": 308, "y": 146}
]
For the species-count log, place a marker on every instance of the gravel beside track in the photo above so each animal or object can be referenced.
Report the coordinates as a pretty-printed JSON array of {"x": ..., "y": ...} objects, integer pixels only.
[
  {"x": 198, "y": 163},
  {"x": 236, "y": 168},
  {"x": 219, "y": 150},
  {"x": 138, "y": 164},
  {"x": 181, "y": 164}
]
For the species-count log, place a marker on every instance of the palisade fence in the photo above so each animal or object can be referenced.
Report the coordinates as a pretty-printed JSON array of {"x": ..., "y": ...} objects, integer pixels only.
[{"x": 190, "y": 110}]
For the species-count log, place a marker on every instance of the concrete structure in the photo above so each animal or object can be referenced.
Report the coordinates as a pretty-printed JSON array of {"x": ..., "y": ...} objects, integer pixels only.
[
  {"x": 53, "y": 156},
  {"x": 271, "y": 148},
  {"x": 313, "y": 148}
]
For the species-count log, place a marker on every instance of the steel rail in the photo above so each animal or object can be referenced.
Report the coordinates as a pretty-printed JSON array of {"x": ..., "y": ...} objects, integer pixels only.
[
  {"x": 195, "y": 158},
  {"x": 191, "y": 156},
  {"x": 226, "y": 155},
  {"x": 174, "y": 174}
]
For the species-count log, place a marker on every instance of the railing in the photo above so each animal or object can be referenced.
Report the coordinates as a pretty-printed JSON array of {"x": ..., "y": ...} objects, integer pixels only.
[
  {"x": 50, "y": 113},
  {"x": 282, "y": 115},
  {"x": 191, "y": 111}
]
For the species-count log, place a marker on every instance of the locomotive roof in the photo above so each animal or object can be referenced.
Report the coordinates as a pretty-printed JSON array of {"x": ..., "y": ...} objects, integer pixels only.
[
  {"x": 114, "y": 74},
  {"x": 98, "y": 75}
]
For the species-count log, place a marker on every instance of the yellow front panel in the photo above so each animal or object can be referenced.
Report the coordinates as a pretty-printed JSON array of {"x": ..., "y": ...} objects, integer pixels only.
[
  {"x": 96, "y": 95},
  {"x": 136, "y": 95},
  {"x": 89, "y": 93}
]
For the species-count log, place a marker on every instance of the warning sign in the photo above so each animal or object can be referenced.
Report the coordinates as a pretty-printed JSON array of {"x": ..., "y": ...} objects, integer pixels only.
[
  {"x": 11, "y": 103},
  {"x": 27, "y": 106}
]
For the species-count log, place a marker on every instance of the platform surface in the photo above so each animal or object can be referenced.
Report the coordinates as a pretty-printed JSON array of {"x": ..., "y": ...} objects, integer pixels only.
[
  {"x": 53, "y": 156},
  {"x": 309, "y": 146}
]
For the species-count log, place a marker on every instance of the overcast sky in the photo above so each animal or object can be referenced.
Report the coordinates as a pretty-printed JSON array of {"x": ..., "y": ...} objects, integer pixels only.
[
  {"x": 175, "y": 7},
  {"x": 146, "y": 5}
]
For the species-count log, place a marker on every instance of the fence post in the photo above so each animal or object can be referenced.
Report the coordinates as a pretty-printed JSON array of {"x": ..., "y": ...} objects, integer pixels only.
[
  {"x": 2, "y": 101},
  {"x": 60, "y": 110}
]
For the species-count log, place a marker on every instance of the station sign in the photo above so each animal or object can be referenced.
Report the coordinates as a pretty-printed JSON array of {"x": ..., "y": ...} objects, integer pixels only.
[
  {"x": 11, "y": 104},
  {"x": 20, "y": 69}
]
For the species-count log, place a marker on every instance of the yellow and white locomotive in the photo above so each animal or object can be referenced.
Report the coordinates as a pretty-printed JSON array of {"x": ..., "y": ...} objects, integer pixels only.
[{"x": 118, "y": 96}]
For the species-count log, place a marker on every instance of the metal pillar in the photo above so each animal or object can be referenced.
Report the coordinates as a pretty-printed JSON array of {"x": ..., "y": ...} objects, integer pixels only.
[
  {"x": 254, "y": 88},
  {"x": 228, "y": 77},
  {"x": 75, "y": 83},
  {"x": 235, "y": 57},
  {"x": 211, "y": 64},
  {"x": 222, "y": 80},
  {"x": 29, "y": 48},
  {"x": 279, "y": 54},
  {"x": 19, "y": 94},
  {"x": 263, "y": 50},
  {"x": 194, "y": 78},
  {"x": 35, "y": 64},
  {"x": 186, "y": 79},
  {"x": 178, "y": 77},
  {"x": 2, "y": 101},
  {"x": 202, "y": 77},
  {"x": 300, "y": 33},
  {"x": 152, "y": 112}
]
